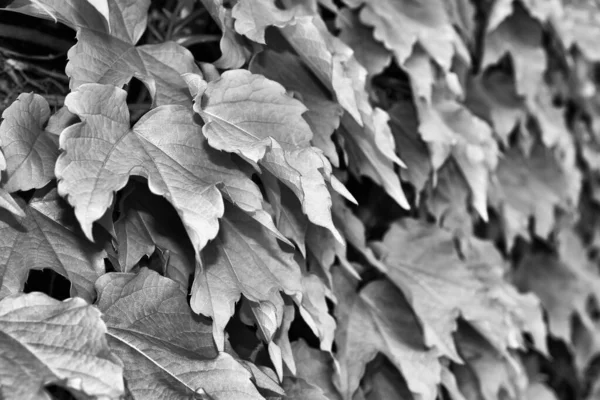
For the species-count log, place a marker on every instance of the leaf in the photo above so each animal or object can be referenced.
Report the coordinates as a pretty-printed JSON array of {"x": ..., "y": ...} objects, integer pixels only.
[
  {"x": 520, "y": 312},
  {"x": 323, "y": 114},
  {"x": 329, "y": 59},
  {"x": 520, "y": 36},
  {"x": 48, "y": 237},
  {"x": 168, "y": 353},
  {"x": 245, "y": 113},
  {"x": 366, "y": 158},
  {"x": 423, "y": 23},
  {"x": 45, "y": 341},
  {"x": 102, "y": 152},
  {"x": 579, "y": 26},
  {"x": 564, "y": 289},
  {"x": 234, "y": 50},
  {"x": 423, "y": 262},
  {"x": 385, "y": 382},
  {"x": 252, "y": 17},
  {"x": 158, "y": 66},
  {"x": 533, "y": 186},
  {"x": 93, "y": 14},
  {"x": 244, "y": 259},
  {"x": 448, "y": 127},
  {"x": 315, "y": 368},
  {"x": 142, "y": 229},
  {"x": 379, "y": 320},
  {"x": 448, "y": 200},
  {"x": 299, "y": 389},
  {"x": 8, "y": 203},
  {"x": 30, "y": 151},
  {"x": 490, "y": 373},
  {"x": 494, "y": 98},
  {"x": 289, "y": 218},
  {"x": 410, "y": 147},
  {"x": 315, "y": 312},
  {"x": 539, "y": 391},
  {"x": 368, "y": 52}
]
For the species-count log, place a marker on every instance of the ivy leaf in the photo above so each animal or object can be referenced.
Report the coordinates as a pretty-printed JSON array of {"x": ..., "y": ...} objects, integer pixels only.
[
  {"x": 244, "y": 259},
  {"x": 8, "y": 203},
  {"x": 579, "y": 26},
  {"x": 299, "y": 389},
  {"x": 486, "y": 372},
  {"x": 234, "y": 50},
  {"x": 328, "y": 58},
  {"x": 366, "y": 157},
  {"x": 379, "y": 320},
  {"x": 543, "y": 183},
  {"x": 252, "y": 17},
  {"x": 423, "y": 262},
  {"x": 323, "y": 115},
  {"x": 315, "y": 312},
  {"x": 423, "y": 23},
  {"x": 48, "y": 237},
  {"x": 93, "y": 14},
  {"x": 159, "y": 66},
  {"x": 493, "y": 97},
  {"x": 30, "y": 151},
  {"x": 45, "y": 341},
  {"x": 368, "y": 52},
  {"x": 315, "y": 368},
  {"x": 409, "y": 144},
  {"x": 290, "y": 220},
  {"x": 448, "y": 200},
  {"x": 167, "y": 352},
  {"x": 520, "y": 36},
  {"x": 102, "y": 152},
  {"x": 252, "y": 116},
  {"x": 564, "y": 289}
]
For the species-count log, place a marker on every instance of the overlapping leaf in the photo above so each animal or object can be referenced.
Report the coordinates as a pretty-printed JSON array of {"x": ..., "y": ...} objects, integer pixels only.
[
  {"x": 423, "y": 262},
  {"x": 252, "y": 116},
  {"x": 422, "y": 22},
  {"x": 520, "y": 36},
  {"x": 533, "y": 186},
  {"x": 30, "y": 151},
  {"x": 48, "y": 237},
  {"x": 244, "y": 259},
  {"x": 44, "y": 341},
  {"x": 159, "y": 66},
  {"x": 102, "y": 152},
  {"x": 142, "y": 230},
  {"x": 93, "y": 14},
  {"x": 379, "y": 319},
  {"x": 167, "y": 352}
]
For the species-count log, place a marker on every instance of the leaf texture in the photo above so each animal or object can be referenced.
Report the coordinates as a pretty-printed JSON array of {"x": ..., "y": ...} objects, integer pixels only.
[
  {"x": 47, "y": 341},
  {"x": 167, "y": 352},
  {"x": 48, "y": 237},
  {"x": 158, "y": 66},
  {"x": 30, "y": 151},
  {"x": 378, "y": 319},
  {"x": 244, "y": 259}
]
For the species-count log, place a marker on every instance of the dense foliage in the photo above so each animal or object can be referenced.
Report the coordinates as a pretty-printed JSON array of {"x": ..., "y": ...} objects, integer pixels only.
[{"x": 302, "y": 199}]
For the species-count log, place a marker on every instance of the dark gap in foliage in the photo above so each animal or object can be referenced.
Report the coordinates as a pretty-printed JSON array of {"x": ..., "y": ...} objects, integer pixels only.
[
  {"x": 560, "y": 370},
  {"x": 48, "y": 281},
  {"x": 39, "y": 38},
  {"x": 108, "y": 266},
  {"x": 59, "y": 393},
  {"x": 300, "y": 329},
  {"x": 139, "y": 99}
]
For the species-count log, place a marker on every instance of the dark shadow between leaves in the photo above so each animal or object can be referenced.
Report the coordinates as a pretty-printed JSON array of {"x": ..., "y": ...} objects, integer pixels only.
[{"x": 49, "y": 282}]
